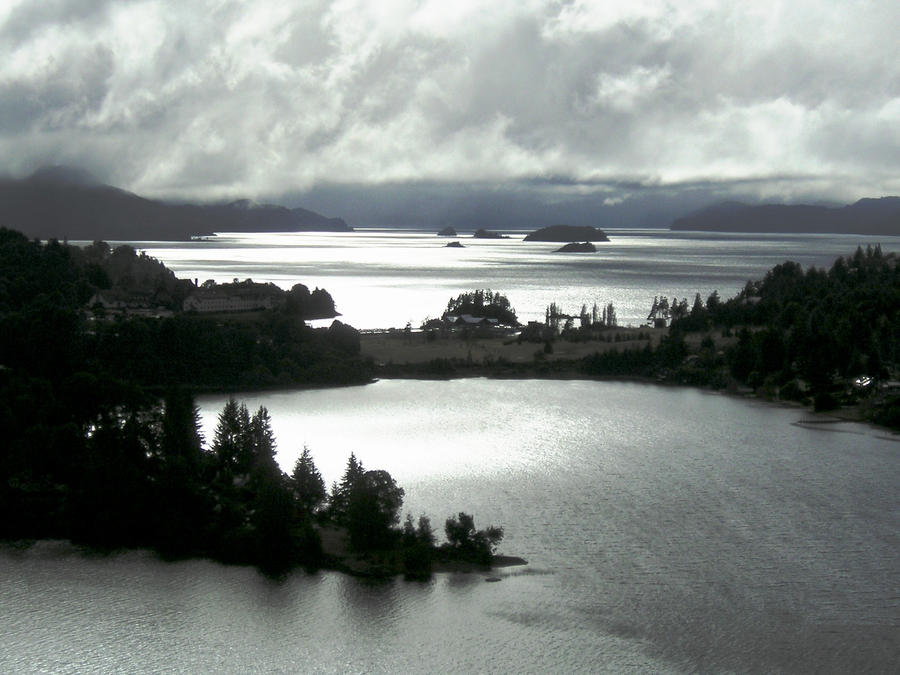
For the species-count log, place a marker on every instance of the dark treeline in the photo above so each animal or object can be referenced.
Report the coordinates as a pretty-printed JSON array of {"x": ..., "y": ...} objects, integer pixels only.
[
  {"x": 822, "y": 337},
  {"x": 141, "y": 477},
  {"x": 825, "y": 338},
  {"x": 101, "y": 441},
  {"x": 46, "y": 332}
]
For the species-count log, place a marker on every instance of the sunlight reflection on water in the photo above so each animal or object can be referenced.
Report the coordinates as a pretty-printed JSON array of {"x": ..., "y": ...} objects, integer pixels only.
[
  {"x": 667, "y": 530},
  {"x": 384, "y": 278}
]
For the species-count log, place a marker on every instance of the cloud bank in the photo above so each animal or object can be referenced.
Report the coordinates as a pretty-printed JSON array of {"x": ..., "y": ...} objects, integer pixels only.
[{"x": 225, "y": 97}]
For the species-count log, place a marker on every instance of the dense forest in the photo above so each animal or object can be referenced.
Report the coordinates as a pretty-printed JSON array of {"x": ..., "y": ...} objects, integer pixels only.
[
  {"x": 141, "y": 477},
  {"x": 48, "y": 331},
  {"x": 101, "y": 439},
  {"x": 825, "y": 338}
]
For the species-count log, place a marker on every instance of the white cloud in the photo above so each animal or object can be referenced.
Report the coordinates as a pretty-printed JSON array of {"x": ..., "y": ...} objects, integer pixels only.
[{"x": 228, "y": 97}]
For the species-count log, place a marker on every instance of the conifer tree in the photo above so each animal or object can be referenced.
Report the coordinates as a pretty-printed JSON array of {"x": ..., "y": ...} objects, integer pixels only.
[
  {"x": 229, "y": 436},
  {"x": 261, "y": 445},
  {"x": 309, "y": 488},
  {"x": 340, "y": 494}
]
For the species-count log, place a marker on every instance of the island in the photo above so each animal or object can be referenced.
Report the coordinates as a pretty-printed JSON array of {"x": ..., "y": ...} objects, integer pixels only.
[
  {"x": 447, "y": 232},
  {"x": 482, "y": 233},
  {"x": 575, "y": 247},
  {"x": 567, "y": 233},
  {"x": 454, "y": 244}
]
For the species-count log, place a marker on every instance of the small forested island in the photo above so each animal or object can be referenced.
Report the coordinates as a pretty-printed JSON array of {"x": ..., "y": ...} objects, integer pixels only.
[
  {"x": 576, "y": 247},
  {"x": 454, "y": 244},
  {"x": 447, "y": 232},
  {"x": 567, "y": 233},
  {"x": 481, "y": 233}
]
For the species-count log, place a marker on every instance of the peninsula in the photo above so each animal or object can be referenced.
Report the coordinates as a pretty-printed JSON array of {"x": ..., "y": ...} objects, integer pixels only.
[{"x": 822, "y": 339}]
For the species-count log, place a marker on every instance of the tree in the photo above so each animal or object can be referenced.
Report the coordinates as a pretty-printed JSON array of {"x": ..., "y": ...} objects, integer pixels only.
[
  {"x": 309, "y": 488},
  {"x": 182, "y": 507},
  {"x": 484, "y": 303},
  {"x": 340, "y": 492},
  {"x": 373, "y": 509},
  {"x": 610, "y": 314},
  {"x": 467, "y": 543},
  {"x": 181, "y": 436},
  {"x": 418, "y": 548},
  {"x": 697, "y": 308},
  {"x": 230, "y": 439},
  {"x": 261, "y": 447}
]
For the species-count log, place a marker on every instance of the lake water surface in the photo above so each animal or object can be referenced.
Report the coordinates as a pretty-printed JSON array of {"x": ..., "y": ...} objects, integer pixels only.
[
  {"x": 667, "y": 530},
  {"x": 386, "y": 278}
]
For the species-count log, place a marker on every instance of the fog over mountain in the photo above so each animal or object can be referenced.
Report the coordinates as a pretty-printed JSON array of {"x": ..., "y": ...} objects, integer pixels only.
[
  {"x": 502, "y": 113},
  {"x": 69, "y": 203}
]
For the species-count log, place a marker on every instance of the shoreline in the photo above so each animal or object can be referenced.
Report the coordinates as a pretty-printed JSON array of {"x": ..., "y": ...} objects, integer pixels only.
[
  {"x": 845, "y": 414},
  {"x": 398, "y": 356},
  {"x": 343, "y": 562}
]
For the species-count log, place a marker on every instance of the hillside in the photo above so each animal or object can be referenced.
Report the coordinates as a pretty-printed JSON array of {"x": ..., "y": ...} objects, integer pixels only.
[
  {"x": 867, "y": 216},
  {"x": 61, "y": 202}
]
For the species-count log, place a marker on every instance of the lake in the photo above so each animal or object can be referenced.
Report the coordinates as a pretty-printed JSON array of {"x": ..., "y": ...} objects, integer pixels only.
[
  {"x": 386, "y": 278},
  {"x": 666, "y": 529}
]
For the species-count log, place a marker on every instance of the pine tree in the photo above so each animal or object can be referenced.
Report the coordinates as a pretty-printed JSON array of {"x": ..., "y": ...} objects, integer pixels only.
[
  {"x": 229, "y": 437},
  {"x": 261, "y": 442},
  {"x": 181, "y": 438},
  {"x": 340, "y": 494},
  {"x": 309, "y": 488}
]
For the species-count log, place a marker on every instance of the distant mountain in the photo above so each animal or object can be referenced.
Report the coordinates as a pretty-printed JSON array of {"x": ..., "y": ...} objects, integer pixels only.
[
  {"x": 867, "y": 216},
  {"x": 63, "y": 202}
]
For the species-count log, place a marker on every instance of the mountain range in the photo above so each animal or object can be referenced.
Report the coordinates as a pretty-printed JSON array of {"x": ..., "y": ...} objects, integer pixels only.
[
  {"x": 867, "y": 216},
  {"x": 63, "y": 202}
]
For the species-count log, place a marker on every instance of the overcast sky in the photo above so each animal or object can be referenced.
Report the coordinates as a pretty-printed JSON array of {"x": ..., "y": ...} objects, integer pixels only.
[{"x": 778, "y": 100}]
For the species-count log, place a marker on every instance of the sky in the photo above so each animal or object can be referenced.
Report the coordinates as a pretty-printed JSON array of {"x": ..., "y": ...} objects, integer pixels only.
[{"x": 389, "y": 106}]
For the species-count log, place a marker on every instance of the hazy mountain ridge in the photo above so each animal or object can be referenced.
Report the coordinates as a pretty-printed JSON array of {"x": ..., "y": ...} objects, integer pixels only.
[
  {"x": 64, "y": 202},
  {"x": 878, "y": 216}
]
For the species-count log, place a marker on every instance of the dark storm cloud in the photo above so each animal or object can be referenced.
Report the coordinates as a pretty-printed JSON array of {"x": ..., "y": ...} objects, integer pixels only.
[{"x": 225, "y": 98}]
